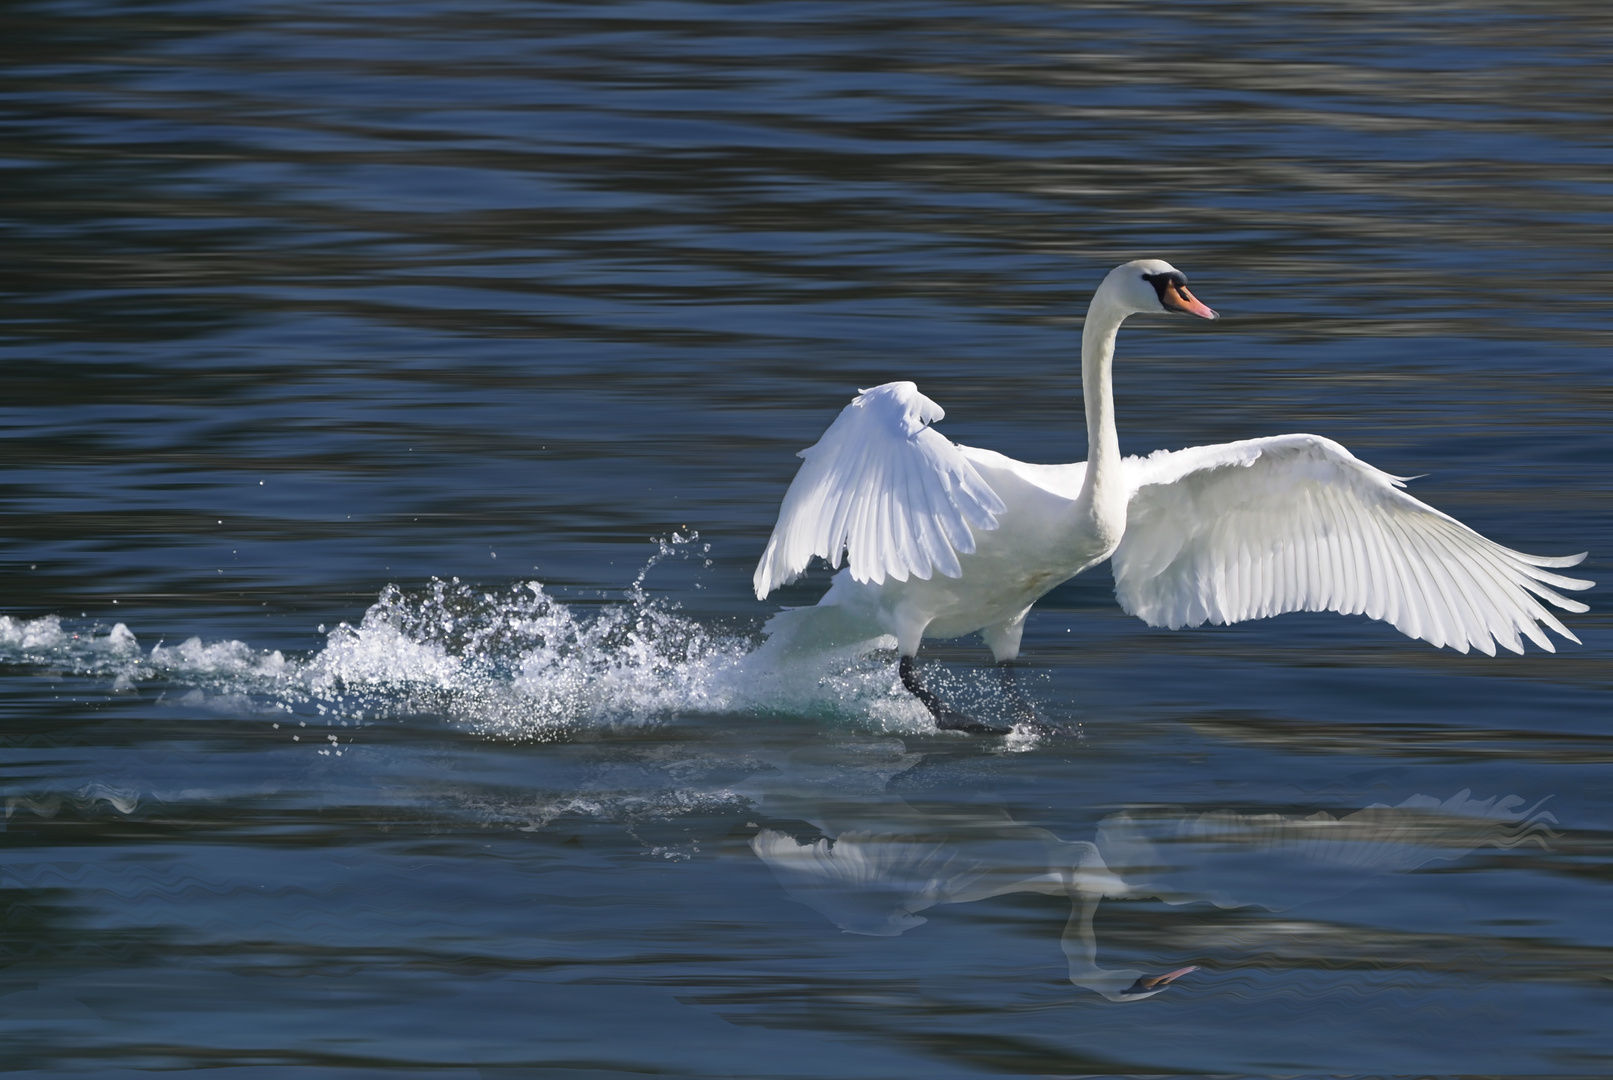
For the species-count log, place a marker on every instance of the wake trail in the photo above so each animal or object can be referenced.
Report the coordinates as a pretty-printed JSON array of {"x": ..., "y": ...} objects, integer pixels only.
[{"x": 514, "y": 663}]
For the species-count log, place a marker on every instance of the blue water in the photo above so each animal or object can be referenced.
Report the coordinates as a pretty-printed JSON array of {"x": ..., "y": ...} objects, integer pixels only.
[{"x": 398, "y": 397}]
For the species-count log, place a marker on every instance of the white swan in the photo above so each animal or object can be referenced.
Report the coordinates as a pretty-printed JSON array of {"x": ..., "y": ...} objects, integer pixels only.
[
  {"x": 941, "y": 540},
  {"x": 877, "y": 883},
  {"x": 893, "y": 861}
]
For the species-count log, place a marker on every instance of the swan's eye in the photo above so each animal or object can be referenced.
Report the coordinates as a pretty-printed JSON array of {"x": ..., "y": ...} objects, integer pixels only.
[
  {"x": 1170, "y": 288},
  {"x": 1165, "y": 285}
]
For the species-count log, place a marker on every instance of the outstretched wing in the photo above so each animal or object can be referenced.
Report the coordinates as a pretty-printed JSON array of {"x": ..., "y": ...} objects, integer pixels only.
[
  {"x": 1295, "y": 523},
  {"x": 880, "y": 487}
]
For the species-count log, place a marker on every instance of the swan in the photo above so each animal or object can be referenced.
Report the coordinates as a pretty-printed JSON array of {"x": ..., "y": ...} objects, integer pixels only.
[
  {"x": 881, "y": 862},
  {"x": 942, "y": 540},
  {"x": 876, "y": 884}
]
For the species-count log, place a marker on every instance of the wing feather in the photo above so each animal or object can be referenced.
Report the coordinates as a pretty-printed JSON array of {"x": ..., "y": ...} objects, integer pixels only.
[
  {"x": 884, "y": 492},
  {"x": 1472, "y": 583},
  {"x": 1296, "y": 523}
]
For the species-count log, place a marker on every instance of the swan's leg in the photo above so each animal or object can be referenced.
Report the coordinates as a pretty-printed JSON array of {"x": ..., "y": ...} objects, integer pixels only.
[
  {"x": 1003, "y": 639},
  {"x": 945, "y": 718},
  {"x": 1025, "y": 710},
  {"x": 911, "y": 682}
]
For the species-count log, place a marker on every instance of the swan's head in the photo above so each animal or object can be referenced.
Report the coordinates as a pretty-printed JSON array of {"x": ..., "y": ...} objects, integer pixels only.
[
  {"x": 1147, "y": 986},
  {"x": 1151, "y": 287}
]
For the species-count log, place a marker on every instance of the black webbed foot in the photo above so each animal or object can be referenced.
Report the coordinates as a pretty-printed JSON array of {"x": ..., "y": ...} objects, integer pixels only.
[{"x": 946, "y": 718}]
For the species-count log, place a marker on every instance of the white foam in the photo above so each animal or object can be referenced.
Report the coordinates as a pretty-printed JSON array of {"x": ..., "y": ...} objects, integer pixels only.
[{"x": 516, "y": 663}]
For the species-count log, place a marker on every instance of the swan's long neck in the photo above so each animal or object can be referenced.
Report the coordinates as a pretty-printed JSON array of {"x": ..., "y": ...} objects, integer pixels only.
[
  {"x": 1081, "y": 950},
  {"x": 1103, "y": 491}
]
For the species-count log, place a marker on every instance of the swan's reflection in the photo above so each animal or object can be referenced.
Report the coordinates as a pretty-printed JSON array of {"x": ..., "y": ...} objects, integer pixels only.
[{"x": 881, "y": 863}]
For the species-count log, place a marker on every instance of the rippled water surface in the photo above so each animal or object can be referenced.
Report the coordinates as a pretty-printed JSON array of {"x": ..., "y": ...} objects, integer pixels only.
[{"x": 398, "y": 397}]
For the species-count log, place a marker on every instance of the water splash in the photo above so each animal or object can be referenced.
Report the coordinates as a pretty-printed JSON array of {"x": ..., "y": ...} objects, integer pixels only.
[{"x": 516, "y": 663}]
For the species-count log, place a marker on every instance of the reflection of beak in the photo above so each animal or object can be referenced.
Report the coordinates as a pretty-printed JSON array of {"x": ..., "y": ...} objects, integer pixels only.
[
  {"x": 1177, "y": 298},
  {"x": 1153, "y": 984}
]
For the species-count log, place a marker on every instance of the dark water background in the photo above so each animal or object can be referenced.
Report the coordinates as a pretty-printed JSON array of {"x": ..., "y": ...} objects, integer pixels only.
[{"x": 313, "y": 307}]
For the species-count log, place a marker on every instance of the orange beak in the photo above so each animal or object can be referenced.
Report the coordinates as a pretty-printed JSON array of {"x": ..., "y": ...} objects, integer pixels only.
[
  {"x": 1151, "y": 983},
  {"x": 1177, "y": 298}
]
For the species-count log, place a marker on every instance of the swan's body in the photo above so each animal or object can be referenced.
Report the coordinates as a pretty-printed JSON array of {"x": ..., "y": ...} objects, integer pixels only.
[{"x": 943, "y": 540}]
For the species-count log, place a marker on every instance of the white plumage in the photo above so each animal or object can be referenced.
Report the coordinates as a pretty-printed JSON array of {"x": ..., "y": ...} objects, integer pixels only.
[
  {"x": 942, "y": 540},
  {"x": 884, "y": 487},
  {"x": 1248, "y": 529}
]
